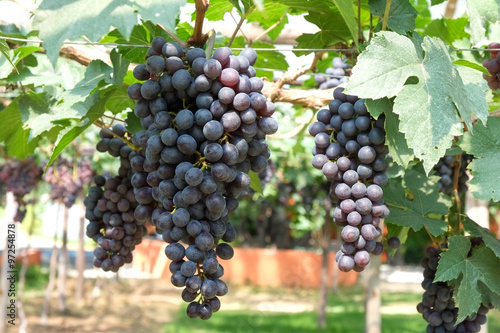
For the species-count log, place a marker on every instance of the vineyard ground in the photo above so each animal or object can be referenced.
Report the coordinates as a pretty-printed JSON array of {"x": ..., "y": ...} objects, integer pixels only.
[{"x": 144, "y": 305}]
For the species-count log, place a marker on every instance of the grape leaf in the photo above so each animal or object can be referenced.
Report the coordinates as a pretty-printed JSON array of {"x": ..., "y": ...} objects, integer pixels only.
[
  {"x": 39, "y": 111},
  {"x": 217, "y": 9},
  {"x": 489, "y": 297},
  {"x": 96, "y": 71},
  {"x": 436, "y": 2},
  {"x": 448, "y": 30},
  {"x": 376, "y": 107},
  {"x": 120, "y": 67},
  {"x": 346, "y": 9},
  {"x": 133, "y": 123},
  {"x": 484, "y": 145},
  {"x": 118, "y": 100},
  {"x": 487, "y": 236},
  {"x": 482, "y": 266},
  {"x": 480, "y": 12},
  {"x": 96, "y": 107},
  {"x": 470, "y": 64},
  {"x": 255, "y": 182},
  {"x": 396, "y": 142},
  {"x": 139, "y": 36},
  {"x": 322, "y": 6},
  {"x": 58, "y": 20},
  {"x": 329, "y": 33},
  {"x": 425, "y": 201},
  {"x": 5, "y": 49},
  {"x": 401, "y": 14},
  {"x": 12, "y": 133},
  {"x": 271, "y": 13},
  {"x": 428, "y": 88}
]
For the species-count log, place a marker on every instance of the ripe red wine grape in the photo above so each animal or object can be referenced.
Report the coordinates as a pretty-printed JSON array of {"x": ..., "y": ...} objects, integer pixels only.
[
  {"x": 438, "y": 306},
  {"x": 205, "y": 123},
  {"x": 493, "y": 66},
  {"x": 349, "y": 150},
  {"x": 447, "y": 167},
  {"x": 20, "y": 178}
]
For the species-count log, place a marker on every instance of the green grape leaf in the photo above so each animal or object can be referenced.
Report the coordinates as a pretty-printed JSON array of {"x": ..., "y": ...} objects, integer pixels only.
[
  {"x": 376, "y": 107},
  {"x": 322, "y": 6},
  {"x": 489, "y": 297},
  {"x": 419, "y": 208},
  {"x": 58, "y": 20},
  {"x": 133, "y": 123},
  {"x": 39, "y": 111},
  {"x": 396, "y": 142},
  {"x": 95, "y": 107},
  {"x": 118, "y": 100},
  {"x": 436, "y": 2},
  {"x": 346, "y": 9},
  {"x": 217, "y": 9},
  {"x": 12, "y": 133},
  {"x": 96, "y": 71},
  {"x": 448, "y": 30},
  {"x": 481, "y": 266},
  {"x": 6, "y": 51},
  {"x": 428, "y": 87},
  {"x": 487, "y": 236},
  {"x": 120, "y": 67},
  {"x": 255, "y": 182},
  {"x": 470, "y": 64},
  {"x": 484, "y": 145},
  {"x": 270, "y": 14},
  {"x": 480, "y": 12},
  {"x": 401, "y": 14},
  {"x": 329, "y": 33}
]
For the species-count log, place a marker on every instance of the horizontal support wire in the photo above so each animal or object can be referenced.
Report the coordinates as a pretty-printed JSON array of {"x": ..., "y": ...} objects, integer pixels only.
[{"x": 235, "y": 48}]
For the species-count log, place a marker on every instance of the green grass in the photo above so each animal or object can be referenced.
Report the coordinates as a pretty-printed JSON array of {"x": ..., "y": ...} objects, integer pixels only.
[
  {"x": 346, "y": 314},
  {"x": 306, "y": 322}
]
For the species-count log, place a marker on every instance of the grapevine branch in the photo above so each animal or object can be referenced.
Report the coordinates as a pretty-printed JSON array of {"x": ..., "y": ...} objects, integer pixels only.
[
  {"x": 386, "y": 14},
  {"x": 274, "y": 90},
  {"x": 180, "y": 42},
  {"x": 238, "y": 27},
  {"x": 198, "y": 38}
]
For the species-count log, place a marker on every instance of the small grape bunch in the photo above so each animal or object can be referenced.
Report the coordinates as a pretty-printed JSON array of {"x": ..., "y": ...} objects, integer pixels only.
[{"x": 493, "y": 66}]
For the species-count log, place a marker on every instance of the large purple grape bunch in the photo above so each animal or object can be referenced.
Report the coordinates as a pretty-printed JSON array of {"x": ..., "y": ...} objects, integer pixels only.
[
  {"x": 110, "y": 206},
  {"x": 350, "y": 151},
  {"x": 66, "y": 183},
  {"x": 20, "y": 178},
  {"x": 446, "y": 168},
  {"x": 438, "y": 307},
  {"x": 205, "y": 123}
]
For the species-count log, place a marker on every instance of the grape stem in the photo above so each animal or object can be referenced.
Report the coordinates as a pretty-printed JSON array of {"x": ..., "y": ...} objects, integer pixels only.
[
  {"x": 238, "y": 26},
  {"x": 198, "y": 38},
  {"x": 101, "y": 125},
  {"x": 386, "y": 14},
  {"x": 179, "y": 41},
  {"x": 274, "y": 91},
  {"x": 456, "y": 197},
  {"x": 360, "y": 35}
]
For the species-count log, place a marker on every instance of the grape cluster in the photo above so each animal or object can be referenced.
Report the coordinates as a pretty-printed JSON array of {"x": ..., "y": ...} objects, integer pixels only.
[
  {"x": 20, "y": 178},
  {"x": 349, "y": 149},
  {"x": 205, "y": 123},
  {"x": 446, "y": 168},
  {"x": 66, "y": 182},
  {"x": 110, "y": 206},
  {"x": 438, "y": 307},
  {"x": 333, "y": 75},
  {"x": 493, "y": 66}
]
